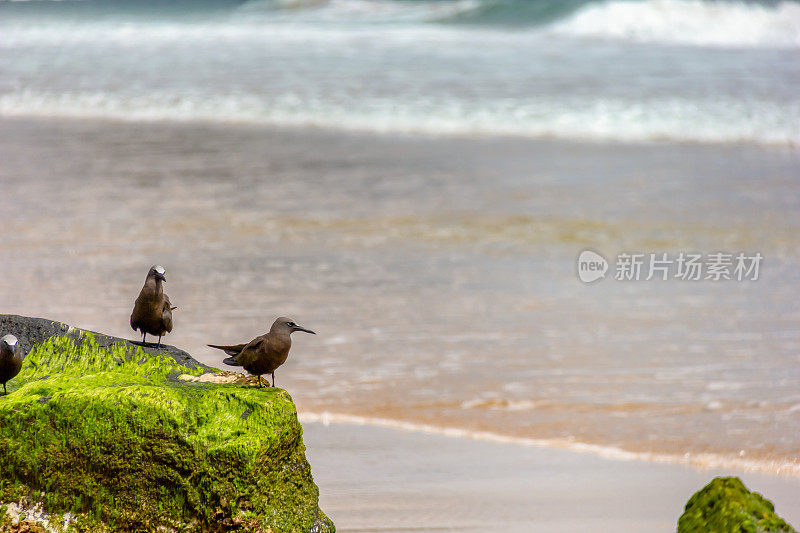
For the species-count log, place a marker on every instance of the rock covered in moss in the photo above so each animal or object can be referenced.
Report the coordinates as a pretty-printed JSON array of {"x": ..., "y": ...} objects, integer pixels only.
[
  {"x": 106, "y": 438},
  {"x": 31, "y": 331},
  {"x": 726, "y": 506}
]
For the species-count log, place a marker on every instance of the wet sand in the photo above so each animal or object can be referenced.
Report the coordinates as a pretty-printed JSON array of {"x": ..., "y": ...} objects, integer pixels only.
[{"x": 385, "y": 480}]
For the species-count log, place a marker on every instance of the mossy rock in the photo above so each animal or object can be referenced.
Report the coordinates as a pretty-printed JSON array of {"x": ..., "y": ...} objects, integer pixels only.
[
  {"x": 31, "y": 331},
  {"x": 726, "y": 506},
  {"x": 111, "y": 437}
]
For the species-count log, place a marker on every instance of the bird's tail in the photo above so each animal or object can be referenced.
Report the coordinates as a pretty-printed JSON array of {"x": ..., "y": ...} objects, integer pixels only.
[{"x": 230, "y": 350}]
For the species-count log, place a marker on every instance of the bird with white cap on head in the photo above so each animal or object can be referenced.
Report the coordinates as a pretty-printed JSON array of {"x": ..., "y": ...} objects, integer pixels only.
[{"x": 152, "y": 312}]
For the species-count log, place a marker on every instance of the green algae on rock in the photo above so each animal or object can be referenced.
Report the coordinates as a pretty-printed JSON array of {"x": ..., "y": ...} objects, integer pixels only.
[
  {"x": 31, "y": 331},
  {"x": 111, "y": 440},
  {"x": 726, "y": 506}
]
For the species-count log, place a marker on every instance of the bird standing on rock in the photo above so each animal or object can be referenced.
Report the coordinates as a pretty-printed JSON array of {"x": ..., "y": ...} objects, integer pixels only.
[
  {"x": 264, "y": 354},
  {"x": 152, "y": 312},
  {"x": 10, "y": 359}
]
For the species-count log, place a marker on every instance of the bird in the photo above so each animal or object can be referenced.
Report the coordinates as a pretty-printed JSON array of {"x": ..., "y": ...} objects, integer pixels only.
[
  {"x": 10, "y": 359},
  {"x": 264, "y": 354},
  {"x": 152, "y": 312}
]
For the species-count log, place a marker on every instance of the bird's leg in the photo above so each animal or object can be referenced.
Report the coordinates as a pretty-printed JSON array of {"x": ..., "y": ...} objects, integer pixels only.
[
  {"x": 144, "y": 336},
  {"x": 273, "y": 379},
  {"x": 159, "y": 342},
  {"x": 259, "y": 381},
  {"x": 5, "y": 392}
]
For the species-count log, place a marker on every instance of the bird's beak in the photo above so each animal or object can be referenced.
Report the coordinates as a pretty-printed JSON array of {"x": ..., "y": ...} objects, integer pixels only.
[
  {"x": 162, "y": 277},
  {"x": 298, "y": 328}
]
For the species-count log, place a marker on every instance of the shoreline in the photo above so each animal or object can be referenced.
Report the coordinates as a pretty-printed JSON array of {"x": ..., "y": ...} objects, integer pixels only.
[
  {"x": 384, "y": 479},
  {"x": 119, "y": 195},
  {"x": 700, "y": 462}
]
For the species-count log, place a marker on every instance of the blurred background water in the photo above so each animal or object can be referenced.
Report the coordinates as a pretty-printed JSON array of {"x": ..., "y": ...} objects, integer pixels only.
[
  {"x": 713, "y": 71},
  {"x": 413, "y": 180}
]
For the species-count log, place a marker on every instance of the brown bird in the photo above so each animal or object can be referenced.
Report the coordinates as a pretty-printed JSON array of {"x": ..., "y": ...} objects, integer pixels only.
[
  {"x": 10, "y": 359},
  {"x": 152, "y": 312},
  {"x": 264, "y": 354}
]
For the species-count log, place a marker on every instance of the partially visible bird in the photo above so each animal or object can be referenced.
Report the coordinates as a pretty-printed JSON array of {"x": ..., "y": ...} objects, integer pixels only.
[
  {"x": 264, "y": 354},
  {"x": 10, "y": 359},
  {"x": 152, "y": 312}
]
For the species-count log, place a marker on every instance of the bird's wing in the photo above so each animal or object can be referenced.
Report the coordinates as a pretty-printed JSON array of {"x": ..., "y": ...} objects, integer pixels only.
[
  {"x": 135, "y": 314},
  {"x": 166, "y": 319},
  {"x": 255, "y": 343},
  {"x": 166, "y": 314},
  {"x": 251, "y": 351},
  {"x": 233, "y": 350}
]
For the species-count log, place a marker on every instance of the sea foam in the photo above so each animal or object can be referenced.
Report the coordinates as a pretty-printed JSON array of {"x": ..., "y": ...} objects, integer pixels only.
[
  {"x": 721, "y": 120},
  {"x": 697, "y": 460},
  {"x": 688, "y": 22}
]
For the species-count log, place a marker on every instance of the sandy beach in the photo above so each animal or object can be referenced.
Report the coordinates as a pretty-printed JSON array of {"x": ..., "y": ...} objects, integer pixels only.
[
  {"x": 549, "y": 248},
  {"x": 448, "y": 299},
  {"x": 380, "y": 479}
]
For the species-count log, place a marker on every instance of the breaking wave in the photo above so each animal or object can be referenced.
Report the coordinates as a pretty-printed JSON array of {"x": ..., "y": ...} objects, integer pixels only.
[
  {"x": 697, "y": 460},
  {"x": 728, "y": 23},
  {"x": 723, "y": 120},
  {"x": 688, "y": 22}
]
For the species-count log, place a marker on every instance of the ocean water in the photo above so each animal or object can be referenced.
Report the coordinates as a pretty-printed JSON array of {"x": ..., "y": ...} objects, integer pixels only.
[
  {"x": 630, "y": 70},
  {"x": 414, "y": 180}
]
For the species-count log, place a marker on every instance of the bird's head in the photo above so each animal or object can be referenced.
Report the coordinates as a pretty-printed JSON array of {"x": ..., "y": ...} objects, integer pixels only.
[
  {"x": 157, "y": 272},
  {"x": 287, "y": 325},
  {"x": 9, "y": 342}
]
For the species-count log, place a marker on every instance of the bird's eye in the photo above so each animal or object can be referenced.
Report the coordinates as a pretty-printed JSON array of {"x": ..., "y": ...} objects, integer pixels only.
[{"x": 290, "y": 324}]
